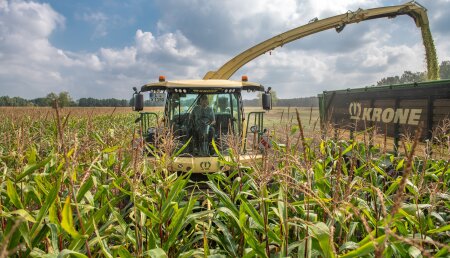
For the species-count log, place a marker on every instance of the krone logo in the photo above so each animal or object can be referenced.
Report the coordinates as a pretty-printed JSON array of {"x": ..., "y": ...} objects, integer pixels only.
[
  {"x": 354, "y": 110},
  {"x": 410, "y": 116},
  {"x": 205, "y": 165}
]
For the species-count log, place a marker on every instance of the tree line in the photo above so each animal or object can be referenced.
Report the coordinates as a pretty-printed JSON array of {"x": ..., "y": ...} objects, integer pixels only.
[
  {"x": 63, "y": 99},
  {"x": 408, "y": 76},
  {"x": 276, "y": 102}
]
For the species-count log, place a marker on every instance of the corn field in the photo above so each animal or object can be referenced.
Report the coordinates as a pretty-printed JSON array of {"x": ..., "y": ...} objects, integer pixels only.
[{"x": 75, "y": 183}]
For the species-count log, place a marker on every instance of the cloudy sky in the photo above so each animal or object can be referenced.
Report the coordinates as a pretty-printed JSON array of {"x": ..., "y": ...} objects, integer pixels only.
[{"x": 103, "y": 48}]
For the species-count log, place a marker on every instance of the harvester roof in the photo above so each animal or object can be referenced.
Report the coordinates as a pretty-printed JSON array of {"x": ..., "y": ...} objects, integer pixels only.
[{"x": 203, "y": 84}]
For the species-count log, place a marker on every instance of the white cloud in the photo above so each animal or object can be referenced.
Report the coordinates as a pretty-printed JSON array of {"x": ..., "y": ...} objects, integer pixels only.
[
  {"x": 30, "y": 66},
  {"x": 93, "y": 62},
  {"x": 145, "y": 42},
  {"x": 28, "y": 59},
  {"x": 324, "y": 8},
  {"x": 177, "y": 45},
  {"x": 119, "y": 58},
  {"x": 40, "y": 20},
  {"x": 193, "y": 37},
  {"x": 100, "y": 22}
]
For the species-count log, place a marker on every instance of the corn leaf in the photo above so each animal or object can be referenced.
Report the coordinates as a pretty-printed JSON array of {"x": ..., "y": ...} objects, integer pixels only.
[
  {"x": 105, "y": 250},
  {"x": 31, "y": 168},
  {"x": 438, "y": 230},
  {"x": 254, "y": 214},
  {"x": 54, "y": 236},
  {"x": 364, "y": 249},
  {"x": 224, "y": 198},
  {"x": 24, "y": 214},
  {"x": 321, "y": 232},
  {"x": 84, "y": 188},
  {"x": 12, "y": 194},
  {"x": 67, "y": 220},
  {"x": 70, "y": 253},
  {"x": 110, "y": 149},
  {"x": 49, "y": 199},
  {"x": 156, "y": 253},
  {"x": 177, "y": 222},
  {"x": 96, "y": 217},
  {"x": 123, "y": 252}
]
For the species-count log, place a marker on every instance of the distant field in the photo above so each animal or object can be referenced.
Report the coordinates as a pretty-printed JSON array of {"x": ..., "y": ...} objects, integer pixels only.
[
  {"x": 279, "y": 119},
  {"x": 281, "y": 116},
  {"x": 73, "y": 111}
]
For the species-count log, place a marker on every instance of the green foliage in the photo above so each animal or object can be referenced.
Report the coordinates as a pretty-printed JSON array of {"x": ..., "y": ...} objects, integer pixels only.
[
  {"x": 410, "y": 77},
  {"x": 64, "y": 100},
  {"x": 81, "y": 187},
  {"x": 430, "y": 53},
  {"x": 444, "y": 70},
  {"x": 111, "y": 102},
  {"x": 6, "y": 101},
  {"x": 406, "y": 77}
]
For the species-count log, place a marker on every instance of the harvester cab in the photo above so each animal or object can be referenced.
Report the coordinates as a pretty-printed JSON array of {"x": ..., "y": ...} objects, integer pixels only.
[{"x": 200, "y": 112}]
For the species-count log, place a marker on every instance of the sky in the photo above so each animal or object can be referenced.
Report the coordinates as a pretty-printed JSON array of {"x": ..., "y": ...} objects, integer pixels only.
[{"x": 104, "y": 48}]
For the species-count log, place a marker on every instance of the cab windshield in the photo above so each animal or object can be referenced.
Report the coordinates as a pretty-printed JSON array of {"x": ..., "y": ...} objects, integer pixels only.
[{"x": 203, "y": 117}]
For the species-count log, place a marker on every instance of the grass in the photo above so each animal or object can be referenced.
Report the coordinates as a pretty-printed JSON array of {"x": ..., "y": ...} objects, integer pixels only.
[{"x": 75, "y": 183}]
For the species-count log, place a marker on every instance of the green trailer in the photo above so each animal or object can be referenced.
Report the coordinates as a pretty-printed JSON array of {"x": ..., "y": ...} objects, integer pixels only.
[{"x": 392, "y": 110}]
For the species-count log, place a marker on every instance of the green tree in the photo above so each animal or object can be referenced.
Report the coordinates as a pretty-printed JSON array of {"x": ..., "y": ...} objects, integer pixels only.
[
  {"x": 64, "y": 99},
  {"x": 444, "y": 70},
  {"x": 14, "y": 102},
  {"x": 91, "y": 102},
  {"x": 51, "y": 98},
  {"x": 407, "y": 77},
  {"x": 40, "y": 102},
  {"x": 389, "y": 80}
]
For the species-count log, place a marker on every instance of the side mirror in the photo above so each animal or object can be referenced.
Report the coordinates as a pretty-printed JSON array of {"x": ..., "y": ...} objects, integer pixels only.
[
  {"x": 267, "y": 101},
  {"x": 138, "y": 102}
]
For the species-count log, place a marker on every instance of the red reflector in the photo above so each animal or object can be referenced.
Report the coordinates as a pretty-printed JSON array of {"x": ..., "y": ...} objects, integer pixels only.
[
  {"x": 162, "y": 78},
  {"x": 244, "y": 78}
]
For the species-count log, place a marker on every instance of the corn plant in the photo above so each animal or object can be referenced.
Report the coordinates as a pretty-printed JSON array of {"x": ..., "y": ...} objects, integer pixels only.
[{"x": 79, "y": 184}]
